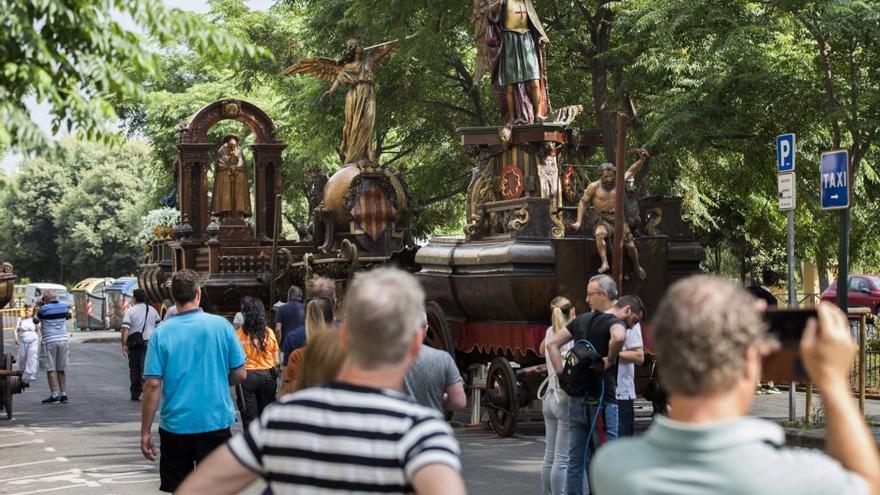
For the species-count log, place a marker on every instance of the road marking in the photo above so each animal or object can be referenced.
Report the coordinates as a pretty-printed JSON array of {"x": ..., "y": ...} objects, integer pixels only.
[
  {"x": 49, "y": 449},
  {"x": 16, "y": 432},
  {"x": 57, "y": 459},
  {"x": 7, "y": 480},
  {"x": 21, "y": 443},
  {"x": 44, "y": 490}
]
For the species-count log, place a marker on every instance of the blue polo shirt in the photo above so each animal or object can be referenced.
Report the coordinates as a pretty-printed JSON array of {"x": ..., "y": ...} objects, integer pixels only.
[{"x": 193, "y": 354}]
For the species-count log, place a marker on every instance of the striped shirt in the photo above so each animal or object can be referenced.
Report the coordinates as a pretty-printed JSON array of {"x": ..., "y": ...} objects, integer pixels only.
[
  {"x": 53, "y": 322},
  {"x": 343, "y": 438}
]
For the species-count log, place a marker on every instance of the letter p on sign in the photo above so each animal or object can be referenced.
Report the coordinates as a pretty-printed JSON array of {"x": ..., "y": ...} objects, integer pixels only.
[{"x": 785, "y": 153}]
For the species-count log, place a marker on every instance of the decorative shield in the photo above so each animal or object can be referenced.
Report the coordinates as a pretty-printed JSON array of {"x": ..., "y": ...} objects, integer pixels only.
[
  {"x": 511, "y": 182},
  {"x": 373, "y": 211}
]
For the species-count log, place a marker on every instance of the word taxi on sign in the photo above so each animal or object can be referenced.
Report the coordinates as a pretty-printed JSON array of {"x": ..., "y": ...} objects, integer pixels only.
[{"x": 834, "y": 180}]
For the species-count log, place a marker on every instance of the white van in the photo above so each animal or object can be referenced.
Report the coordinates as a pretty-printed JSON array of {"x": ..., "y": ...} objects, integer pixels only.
[{"x": 32, "y": 292}]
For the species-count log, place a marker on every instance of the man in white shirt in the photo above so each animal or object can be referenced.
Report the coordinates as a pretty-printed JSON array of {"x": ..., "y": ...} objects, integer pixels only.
[
  {"x": 137, "y": 325},
  {"x": 632, "y": 354}
]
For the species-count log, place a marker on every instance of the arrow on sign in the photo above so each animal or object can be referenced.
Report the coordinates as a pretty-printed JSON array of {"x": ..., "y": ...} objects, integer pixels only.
[{"x": 834, "y": 196}]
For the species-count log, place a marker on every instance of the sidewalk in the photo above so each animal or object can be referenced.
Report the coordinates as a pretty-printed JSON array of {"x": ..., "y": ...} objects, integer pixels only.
[{"x": 775, "y": 408}]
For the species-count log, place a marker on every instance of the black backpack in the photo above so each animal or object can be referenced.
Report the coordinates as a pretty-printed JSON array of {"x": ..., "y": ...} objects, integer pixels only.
[{"x": 583, "y": 369}]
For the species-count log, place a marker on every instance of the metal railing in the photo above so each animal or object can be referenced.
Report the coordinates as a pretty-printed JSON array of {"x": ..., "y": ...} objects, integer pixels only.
[{"x": 872, "y": 372}]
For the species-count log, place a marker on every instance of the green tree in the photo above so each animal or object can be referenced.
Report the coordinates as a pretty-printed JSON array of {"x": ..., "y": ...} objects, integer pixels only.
[
  {"x": 77, "y": 57},
  {"x": 76, "y": 214},
  {"x": 27, "y": 227}
]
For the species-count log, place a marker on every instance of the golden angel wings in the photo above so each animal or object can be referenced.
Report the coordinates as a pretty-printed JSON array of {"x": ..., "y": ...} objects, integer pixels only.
[{"x": 323, "y": 68}]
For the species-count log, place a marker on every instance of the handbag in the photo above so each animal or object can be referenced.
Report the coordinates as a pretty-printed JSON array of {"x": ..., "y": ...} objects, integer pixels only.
[{"x": 136, "y": 340}]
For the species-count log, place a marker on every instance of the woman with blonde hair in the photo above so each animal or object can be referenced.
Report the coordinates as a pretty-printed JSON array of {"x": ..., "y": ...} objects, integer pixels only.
[
  {"x": 325, "y": 356},
  {"x": 555, "y": 407},
  {"x": 319, "y": 321}
]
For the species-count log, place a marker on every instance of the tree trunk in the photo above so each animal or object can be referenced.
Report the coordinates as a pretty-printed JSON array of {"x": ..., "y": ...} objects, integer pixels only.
[{"x": 600, "y": 39}]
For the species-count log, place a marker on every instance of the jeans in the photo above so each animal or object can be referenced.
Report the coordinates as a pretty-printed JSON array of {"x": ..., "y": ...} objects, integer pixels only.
[
  {"x": 258, "y": 391},
  {"x": 553, "y": 474},
  {"x": 627, "y": 417},
  {"x": 580, "y": 417},
  {"x": 611, "y": 420}
]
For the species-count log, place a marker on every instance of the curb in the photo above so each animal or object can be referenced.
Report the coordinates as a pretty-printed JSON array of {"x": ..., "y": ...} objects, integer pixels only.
[
  {"x": 807, "y": 439},
  {"x": 105, "y": 340}
]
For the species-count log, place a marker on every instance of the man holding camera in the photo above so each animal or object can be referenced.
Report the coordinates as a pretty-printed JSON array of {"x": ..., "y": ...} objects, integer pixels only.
[{"x": 711, "y": 339}]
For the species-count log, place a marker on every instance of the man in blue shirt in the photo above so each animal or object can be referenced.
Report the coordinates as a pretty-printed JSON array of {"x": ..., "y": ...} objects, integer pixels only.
[
  {"x": 191, "y": 361},
  {"x": 53, "y": 316}
]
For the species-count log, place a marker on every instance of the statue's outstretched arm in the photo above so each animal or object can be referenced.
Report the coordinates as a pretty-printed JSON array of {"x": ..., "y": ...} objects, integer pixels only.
[
  {"x": 383, "y": 50},
  {"x": 332, "y": 89},
  {"x": 637, "y": 166}
]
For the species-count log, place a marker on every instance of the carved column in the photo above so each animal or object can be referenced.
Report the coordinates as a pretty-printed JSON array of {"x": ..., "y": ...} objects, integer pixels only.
[
  {"x": 193, "y": 185},
  {"x": 267, "y": 182}
]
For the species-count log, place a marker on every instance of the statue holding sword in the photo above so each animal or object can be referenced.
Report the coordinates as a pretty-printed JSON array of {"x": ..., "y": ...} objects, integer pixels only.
[{"x": 353, "y": 69}]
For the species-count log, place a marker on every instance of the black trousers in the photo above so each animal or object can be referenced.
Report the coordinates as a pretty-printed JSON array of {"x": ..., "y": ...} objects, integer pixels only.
[
  {"x": 258, "y": 391},
  {"x": 136, "y": 370},
  {"x": 181, "y": 452}
]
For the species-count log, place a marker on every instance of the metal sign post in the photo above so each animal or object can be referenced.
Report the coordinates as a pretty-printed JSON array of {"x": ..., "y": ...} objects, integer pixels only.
[
  {"x": 834, "y": 182},
  {"x": 787, "y": 194}
]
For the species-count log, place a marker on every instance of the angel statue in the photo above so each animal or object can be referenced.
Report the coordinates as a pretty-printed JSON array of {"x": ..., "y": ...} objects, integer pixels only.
[
  {"x": 354, "y": 69},
  {"x": 510, "y": 39}
]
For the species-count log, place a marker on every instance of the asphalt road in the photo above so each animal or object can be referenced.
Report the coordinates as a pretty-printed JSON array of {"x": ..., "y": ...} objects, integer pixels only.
[{"x": 90, "y": 446}]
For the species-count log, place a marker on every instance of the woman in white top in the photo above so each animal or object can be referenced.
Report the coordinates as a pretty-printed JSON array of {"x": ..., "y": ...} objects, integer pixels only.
[
  {"x": 28, "y": 344},
  {"x": 555, "y": 408}
]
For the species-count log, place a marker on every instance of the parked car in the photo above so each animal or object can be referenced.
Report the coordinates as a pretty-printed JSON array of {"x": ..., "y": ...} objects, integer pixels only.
[{"x": 863, "y": 291}]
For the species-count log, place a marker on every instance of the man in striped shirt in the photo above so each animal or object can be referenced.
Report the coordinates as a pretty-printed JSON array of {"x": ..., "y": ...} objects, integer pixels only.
[
  {"x": 358, "y": 434},
  {"x": 53, "y": 316}
]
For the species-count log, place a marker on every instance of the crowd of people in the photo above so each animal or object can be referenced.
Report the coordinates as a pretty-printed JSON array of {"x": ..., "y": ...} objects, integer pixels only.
[{"x": 356, "y": 403}]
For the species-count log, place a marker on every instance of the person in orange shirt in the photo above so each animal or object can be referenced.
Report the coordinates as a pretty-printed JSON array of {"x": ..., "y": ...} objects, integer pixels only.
[{"x": 261, "y": 348}]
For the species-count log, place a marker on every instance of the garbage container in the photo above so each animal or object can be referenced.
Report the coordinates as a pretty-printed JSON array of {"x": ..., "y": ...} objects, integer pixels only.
[{"x": 118, "y": 298}]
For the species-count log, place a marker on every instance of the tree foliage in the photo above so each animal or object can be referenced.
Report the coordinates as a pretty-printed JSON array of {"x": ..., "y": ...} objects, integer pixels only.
[
  {"x": 78, "y": 57},
  {"x": 707, "y": 87},
  {"x": 77, "y": 214}
]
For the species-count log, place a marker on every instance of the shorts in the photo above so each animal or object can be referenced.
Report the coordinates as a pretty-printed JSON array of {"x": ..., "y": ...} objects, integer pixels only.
[{"x": 53, "y": 356}]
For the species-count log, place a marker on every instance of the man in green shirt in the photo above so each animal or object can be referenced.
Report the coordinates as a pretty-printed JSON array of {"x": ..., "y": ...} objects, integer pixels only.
[{"x": 710, "y": 339}]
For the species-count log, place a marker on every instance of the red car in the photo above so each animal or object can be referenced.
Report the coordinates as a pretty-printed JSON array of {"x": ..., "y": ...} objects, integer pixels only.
[{"x": 863, "y": 291}]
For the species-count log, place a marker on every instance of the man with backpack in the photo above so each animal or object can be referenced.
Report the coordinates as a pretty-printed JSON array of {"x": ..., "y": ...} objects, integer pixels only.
[{"x": 589, "y": 372}]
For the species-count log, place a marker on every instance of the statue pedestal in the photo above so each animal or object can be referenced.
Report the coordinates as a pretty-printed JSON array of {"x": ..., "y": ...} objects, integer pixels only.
[{"x": 234, "y": 229}]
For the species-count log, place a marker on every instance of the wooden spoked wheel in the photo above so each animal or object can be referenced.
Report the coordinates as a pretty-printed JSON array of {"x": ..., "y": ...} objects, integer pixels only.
[
  {"x": 9, "y": 385},
  {"x": 12, "y": 383},
  {"x": 502, "y": 394},
  {"x": 438, "y": 335}
]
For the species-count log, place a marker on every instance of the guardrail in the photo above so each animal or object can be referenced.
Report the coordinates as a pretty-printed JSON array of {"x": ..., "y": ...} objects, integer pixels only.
[{"x": 9, "y": 317}]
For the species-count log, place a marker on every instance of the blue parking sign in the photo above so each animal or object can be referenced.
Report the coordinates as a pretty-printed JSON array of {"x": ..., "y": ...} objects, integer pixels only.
[
  {"x": 834, "y": 180},
  {"x": 785, "y": 152}
]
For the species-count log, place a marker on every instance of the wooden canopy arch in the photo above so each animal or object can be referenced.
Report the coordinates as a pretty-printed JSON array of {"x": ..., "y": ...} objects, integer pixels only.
[{"x": 194, "y": 156}]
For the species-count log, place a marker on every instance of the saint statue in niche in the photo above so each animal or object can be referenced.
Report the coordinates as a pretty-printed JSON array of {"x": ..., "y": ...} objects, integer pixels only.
[{"x": 231, "y": 196}]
